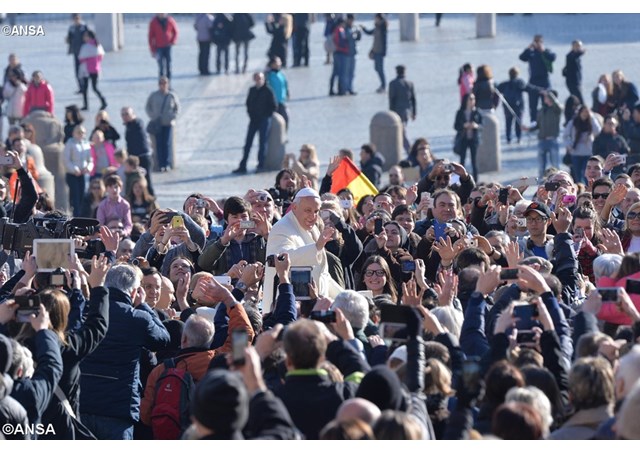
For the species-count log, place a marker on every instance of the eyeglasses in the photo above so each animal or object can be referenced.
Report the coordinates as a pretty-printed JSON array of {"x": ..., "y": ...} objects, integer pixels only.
[
  {"x": 536, "y": 219},
  {"x": 423, "y": 148},
  {"x": 632, "y": 215},
  {"x": 595, "y": 196},
  {"x": 379, "y": 273}
]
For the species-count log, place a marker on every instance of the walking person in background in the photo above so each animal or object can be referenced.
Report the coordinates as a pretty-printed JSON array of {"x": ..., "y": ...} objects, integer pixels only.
[
  {"x": 548, "y": 126},
  {"x": 280, "y": 28},
  {"x": 467, "y": 124},
  {"x": 90, "y": 57},
  {"x": 277, "y": 81},
  {"x": 78, "y": 165},
  {"x": 340, "y": 55},
  {"x": 329, "y": 46},
  {"x": 261, "y": 103},
  {"x": 163, "y": 34},
  {"x": 300, "y": 36},
  {"x": 512, "y": 91},
  {"x": 14, "y": 91},
  {"x": 242, "y": 34},
  {"x": 353, "y": 35},
  {"x": 466, "y": 80},
  {"x": 402, "y": 100},
  {"x": 75, "y": 39},
  {"x": 572, "y": 70},
  {"x": 579, "y": 135},
  {"x": 483, "y": 88},
  {"x": 162, "y": 108},
  {"x": 221, "y": 36},
  {"x": 540, "y": 61},
  {"x": 379, "y": 49},
  {"x": 203, "y": 25}
]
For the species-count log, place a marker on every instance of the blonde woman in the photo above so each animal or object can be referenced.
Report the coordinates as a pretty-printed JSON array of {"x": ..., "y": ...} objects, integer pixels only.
[{"x": 307, "y": 164}]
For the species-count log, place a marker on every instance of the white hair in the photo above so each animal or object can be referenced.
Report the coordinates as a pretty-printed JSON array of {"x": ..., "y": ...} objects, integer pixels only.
[
  {"x": 354, "y": 306},
  {"x": 606, "y": 265},
  {"x": 198, "y": 332},
  {"x": 124, "y": 277},
  {"x": 450, "y": 318},
  {"x": 536, "y": 398}
]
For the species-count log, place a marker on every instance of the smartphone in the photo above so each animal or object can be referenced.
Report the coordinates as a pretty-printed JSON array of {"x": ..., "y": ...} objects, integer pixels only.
[
  {"x": 448, "y": 167},
  {"x": 530, "y": 181},
  {"x": 471, "y": 374},
  {"x": 27, "y": 306},
  {"x": 246, "y": 224},
  {"x": 346, "y": 204},
  {"x": 239, "y": 342},
  {"x": 569, "y": 199},
  {"x": 393, "y": 323},
  {"x": 633, "y": 286},
  {"x": 300, "y": 279},
  {"x": 503, "y": 196},
  {"x": 525, "y": 315},
  {"x": 521, "y": 223},
  {"x": 177, "y": 221},
  {"x": 526, "y": 336},
  {"x": 579, "y": 232},
  {"x": 200, "y": 203},
  {"x": 222, "y": 279},
  {"x": 6, "y": 160},
  {"x": 551, "y": 186},
  {"x": 509, "y": 274},
  {"x": 609, "y": 295},
  {"x": 377, "y": 226},
  {"x": 623, "y": 159},
  {"x": 324, "y": 316},
  {"x": 408, "y": 266},
  {"x": 439, "y": 229},
  {"x": 271, "y": 261}
]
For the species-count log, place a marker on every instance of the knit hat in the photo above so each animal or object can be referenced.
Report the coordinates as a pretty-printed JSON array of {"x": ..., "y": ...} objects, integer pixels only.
[
  {"x": 383, "y": 388},
  {"x": 221, "y": 402},
  {"x": 6, "y": 354}
]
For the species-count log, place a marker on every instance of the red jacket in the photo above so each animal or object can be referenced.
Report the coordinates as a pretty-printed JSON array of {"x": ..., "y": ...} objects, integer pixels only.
[
  {"x": 39, "y": 97},
  {"x": 162, "y": 38},
  {"x": 610, "y": 312}
]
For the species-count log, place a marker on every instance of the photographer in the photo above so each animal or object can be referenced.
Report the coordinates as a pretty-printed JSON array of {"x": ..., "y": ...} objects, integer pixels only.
[{"x": 284, "y": 190}]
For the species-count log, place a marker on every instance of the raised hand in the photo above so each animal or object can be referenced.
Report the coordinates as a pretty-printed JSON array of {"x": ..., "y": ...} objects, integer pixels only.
[{"x": 99, "y": 269}]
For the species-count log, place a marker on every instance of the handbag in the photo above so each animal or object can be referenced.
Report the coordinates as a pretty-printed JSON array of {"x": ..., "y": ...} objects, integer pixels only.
[
  {"x": 457, "y": 144},
  {"x": 153, "y": 126}
]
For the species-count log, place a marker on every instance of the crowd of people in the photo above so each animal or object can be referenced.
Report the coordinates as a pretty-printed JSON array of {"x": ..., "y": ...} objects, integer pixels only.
[{"x": 449, "y": 308}]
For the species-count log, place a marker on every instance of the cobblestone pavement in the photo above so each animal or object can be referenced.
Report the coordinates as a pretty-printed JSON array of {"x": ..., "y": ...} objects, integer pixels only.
[{"x": 212, "y": 125}]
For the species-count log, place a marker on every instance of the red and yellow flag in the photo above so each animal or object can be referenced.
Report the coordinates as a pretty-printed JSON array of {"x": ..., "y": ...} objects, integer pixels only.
[{"x": 348, "y": 176}]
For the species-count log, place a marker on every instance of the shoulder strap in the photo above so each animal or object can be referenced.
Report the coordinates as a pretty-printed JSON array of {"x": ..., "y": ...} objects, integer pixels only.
[{"x": 65, "y": 402}]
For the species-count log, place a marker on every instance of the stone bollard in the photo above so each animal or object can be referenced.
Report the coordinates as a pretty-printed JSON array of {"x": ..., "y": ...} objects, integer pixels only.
[
  {"x": 488, "y": 156},
  {"x": 49, "y": 137},
  {"x": 385, "y": 131},
  {"x": 485, "y": 25},
  {"x": 45, "y": 178},
  {"x": 409, "y": 27},
  {"x": 275, "y": 145},
  {"x": 109, "y": 29}
]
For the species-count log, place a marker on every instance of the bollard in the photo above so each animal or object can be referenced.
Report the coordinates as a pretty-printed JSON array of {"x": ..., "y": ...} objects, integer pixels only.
[
  {"x": 409, "y": 27},
  {"x": 49, "y": 137},
  {"x": 274, "y": 155},
  {"x": 385, "y": 131},
  {"x": 107, "y": 31},
  {"x": 486, "y": 25},
  {"x": 45, "y": 178},
  {"x": 488, "y": 157}
]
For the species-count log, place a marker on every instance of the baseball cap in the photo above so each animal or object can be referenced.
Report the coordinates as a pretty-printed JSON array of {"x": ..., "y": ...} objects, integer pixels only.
[{"x": 540, "y": 208}]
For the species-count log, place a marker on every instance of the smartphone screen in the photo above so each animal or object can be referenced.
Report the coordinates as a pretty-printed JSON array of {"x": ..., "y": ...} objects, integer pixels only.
[
  {"x": 300, "y": 279},
  {"x": 324, "y": 316},
  {"x": 503, "y": 196},
  {"x": 509, "y": 274},
  {"x": 551, "y": 186},
  {"x": 439, "y": 229},
  {"x": 526, "y": 336},
  {"x": 471, "y": 374},
  {"x": 177, "y": 221},
  {"x": 609, "y": 295},
  {"x": 633, "y": 286},
  {"x": 239, "y": 342},
  {"x": 377, "y": 228},
  {"x": 525, "y": 315},
  {"x": 408, "y": 266}
]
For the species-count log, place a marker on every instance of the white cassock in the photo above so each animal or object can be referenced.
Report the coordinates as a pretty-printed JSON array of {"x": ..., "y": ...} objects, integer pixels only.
[{"x": 288, "y": 236}]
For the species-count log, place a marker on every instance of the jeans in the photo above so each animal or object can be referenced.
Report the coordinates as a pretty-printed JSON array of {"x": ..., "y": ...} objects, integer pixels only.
[
  {"x": 473, "y": 149},
  {"x": 576, "y": 90},
  {"x": 578, "y": 167},
  {"x": 509, "y": 119},
  {"x": 245, "y": 44},
  {"x": 76, "y": 192},
  {"x": 261, "y": 127},
  {"x": 219, "y": 51},
  {"x": 378, "y": 64},
  {"x": 163, "y": 55},
  {"x": 163, "y": 146},
  {"x": 301, "y": 47},
  {"x": 548, "y": 147},
  {"x": 350, "y": 70},
  {"x": 284, "y": 113},
  {"x": 203, "y": 56},
  {"x": 109, "y": 428},
  {"x": 145, "y": 162},
  {"x": 534, "y": 96},
  {"x": 338, "y": 72}
]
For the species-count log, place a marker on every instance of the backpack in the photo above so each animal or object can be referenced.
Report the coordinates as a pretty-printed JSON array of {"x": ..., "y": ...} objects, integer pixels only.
[{"x": 170, "y": 416}]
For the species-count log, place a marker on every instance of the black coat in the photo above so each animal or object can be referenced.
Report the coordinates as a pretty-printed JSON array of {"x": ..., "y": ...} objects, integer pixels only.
[
  {"x": 242, "y": 24},
  {"x": 11, "y": 412},
  {"x": 222, "y": 29},
  {"x": 136, "y": 138},
  {"x": 261, "y": 103}
]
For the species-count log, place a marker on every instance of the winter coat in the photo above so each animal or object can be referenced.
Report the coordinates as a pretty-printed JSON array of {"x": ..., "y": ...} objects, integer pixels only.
[
  {"x": 402, "y": 98},
  {"x": 90, "y": 56},
  {"x": 38, "y": 97},
  {"x": 77, "y": 156},
  {"x": 585, "y": 142},
  {"x": 242, "y": 24},
  {"x": 610, "y": 312},
  {"x": 15, "y": 97},
  {"x": 202, "y": 25},
  {"x": 109, "y": 150},
  {"x": 161, "y": 37},
  {"x": 372, "y": 169},
  {"x": 11, "y": 411},
  {"x": 166, "y": 110}
]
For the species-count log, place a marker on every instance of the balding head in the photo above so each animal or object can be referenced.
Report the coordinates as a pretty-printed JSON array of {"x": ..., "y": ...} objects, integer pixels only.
[{"x": 360, "y": 409}]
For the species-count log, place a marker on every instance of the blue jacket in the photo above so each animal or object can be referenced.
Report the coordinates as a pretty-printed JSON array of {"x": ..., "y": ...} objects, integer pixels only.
[
  {"x": 538, "y": 69},
  {"x": 110, "y": 379},
  {"x": 278, "y": 84}
]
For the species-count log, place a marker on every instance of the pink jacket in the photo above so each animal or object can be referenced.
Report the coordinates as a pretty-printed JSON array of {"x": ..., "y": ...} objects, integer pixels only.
[
  {"x": 90, "y": 56},
  {"x": 466, "y": 84},
  {"x": 110, "y": 150},
  {"x": 610, "y": 312},
  {"x": 40, "y": 97}
]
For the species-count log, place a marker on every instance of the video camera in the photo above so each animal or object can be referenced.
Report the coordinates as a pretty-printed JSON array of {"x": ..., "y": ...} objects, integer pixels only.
[
  {"x": 281, "y": 198},
  {"x": 18, "y": 237}
]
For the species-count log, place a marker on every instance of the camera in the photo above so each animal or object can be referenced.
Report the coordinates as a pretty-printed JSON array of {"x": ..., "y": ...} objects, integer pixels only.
[
  {"x": 200, "y": 203},
  {"x": 271, "y": 260},
  {"x": 27, "y": 306},
  {"x": 57, "y": 277}
]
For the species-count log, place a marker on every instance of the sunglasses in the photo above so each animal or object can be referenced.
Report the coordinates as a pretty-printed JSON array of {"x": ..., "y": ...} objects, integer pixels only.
[
  {"x": 595, "y": 196},
  {"x": 632, "y": 215}
]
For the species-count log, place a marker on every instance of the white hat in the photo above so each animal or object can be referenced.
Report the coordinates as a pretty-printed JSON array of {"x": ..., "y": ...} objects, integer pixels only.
[{"x": 306, "y": 192}]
